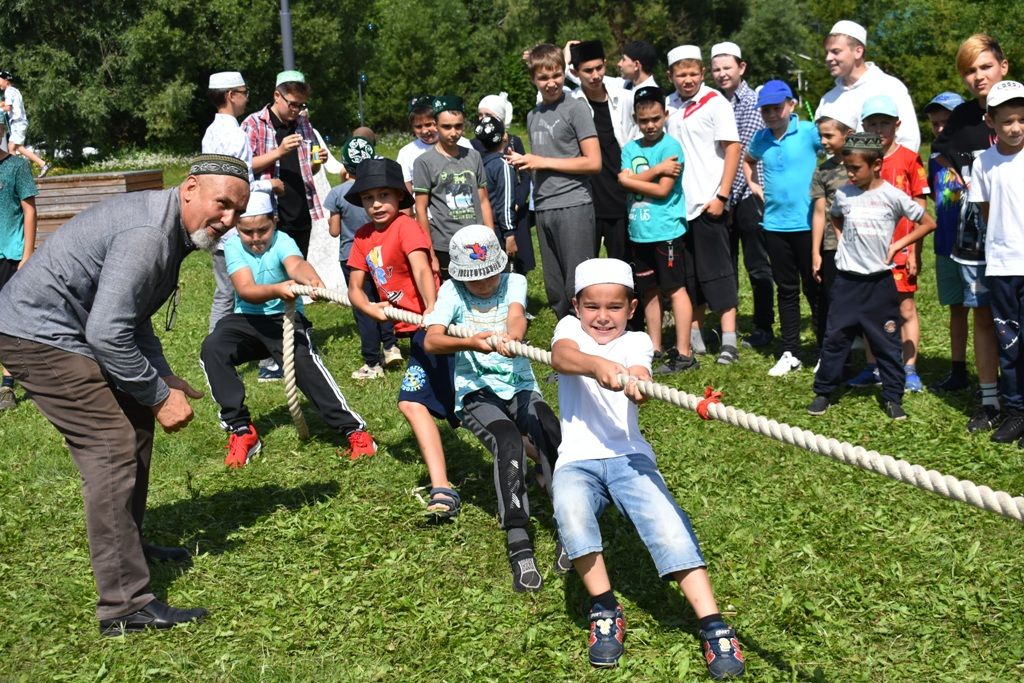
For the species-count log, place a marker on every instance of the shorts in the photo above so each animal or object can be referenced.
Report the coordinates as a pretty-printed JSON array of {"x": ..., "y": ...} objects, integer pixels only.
[
  {"x": 582, "y": 489},
  {"x": 8, "y": 267},
  {"x": 430, "y": 380},
  {"x": 949, "y": 281},
  {"x": 17, "y": 134},
  {"x": 661, "y": 265},
  {"x": 905, "y": 282},
  {"x": 708, "y": 250},
  {"x": 976, "y": 291}
]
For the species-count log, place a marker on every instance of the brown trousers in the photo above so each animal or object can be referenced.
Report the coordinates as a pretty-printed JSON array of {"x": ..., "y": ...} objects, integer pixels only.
[{"x": 110, "y": 436}]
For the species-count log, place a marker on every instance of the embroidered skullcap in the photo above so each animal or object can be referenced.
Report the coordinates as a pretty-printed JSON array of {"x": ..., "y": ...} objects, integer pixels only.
[{"x": 219, "y": 164}]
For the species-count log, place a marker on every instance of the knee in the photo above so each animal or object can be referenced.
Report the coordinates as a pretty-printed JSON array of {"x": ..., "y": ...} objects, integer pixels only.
[{"x": 508, "y": 441}]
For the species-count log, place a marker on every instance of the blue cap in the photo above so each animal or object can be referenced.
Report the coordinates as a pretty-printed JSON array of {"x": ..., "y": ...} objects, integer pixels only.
[
  {"x": 946, "y": 100},
  {"x": 879, "y": 104},
  {"x": 773, "y": 92}
]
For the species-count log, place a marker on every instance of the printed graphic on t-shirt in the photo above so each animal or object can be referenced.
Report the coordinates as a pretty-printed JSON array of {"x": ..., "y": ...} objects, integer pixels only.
[
  {"x": 381, "y": 274},
  {"x": 459, "y": 188},
  {"x": 639, "y": 211},
  {"x": 969, "y": 246}
]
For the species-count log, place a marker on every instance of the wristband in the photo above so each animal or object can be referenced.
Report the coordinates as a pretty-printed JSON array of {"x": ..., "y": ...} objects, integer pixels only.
[{"x": 722, "y": 198}]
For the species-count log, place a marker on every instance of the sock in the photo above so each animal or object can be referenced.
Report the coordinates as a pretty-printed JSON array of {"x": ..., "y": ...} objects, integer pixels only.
[
  {"x": 959, "y": 369},
  {"x": 729, "y": 339},
  {"x": 712, "y": 621},
  {"x": 606, "y": 600},
  {"x": 241, "y": 429},
  {"x": 697, "y": 341},
  {"x": 8, "y": 381},
  {"x": 989, "y": 395},
  {"x": 518, "y": 541},
  {"x": 910, "y": 368}
]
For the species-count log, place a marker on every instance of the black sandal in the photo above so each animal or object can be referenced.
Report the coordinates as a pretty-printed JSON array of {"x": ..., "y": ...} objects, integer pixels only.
[{"x": 449, "y": 501}]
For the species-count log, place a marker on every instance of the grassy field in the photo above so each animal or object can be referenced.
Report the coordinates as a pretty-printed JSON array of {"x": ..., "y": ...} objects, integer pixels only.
[{"x": 314, "y": 567}]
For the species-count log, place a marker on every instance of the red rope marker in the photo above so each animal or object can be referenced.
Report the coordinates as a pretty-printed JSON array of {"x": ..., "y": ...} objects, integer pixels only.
[{"x": 710, "y": 396}]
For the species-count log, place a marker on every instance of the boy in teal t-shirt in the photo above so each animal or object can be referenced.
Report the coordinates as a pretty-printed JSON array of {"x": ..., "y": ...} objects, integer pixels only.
[
  {"x": 264, "y": 264},
  {"x": 652, "y": 174},
  {"x": 17, "y": 231},
  {"x": 496, "y": 395}
]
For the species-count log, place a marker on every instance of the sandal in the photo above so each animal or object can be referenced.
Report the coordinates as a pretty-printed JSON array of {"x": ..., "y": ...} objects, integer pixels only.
[{"x": 445, "y": 503}]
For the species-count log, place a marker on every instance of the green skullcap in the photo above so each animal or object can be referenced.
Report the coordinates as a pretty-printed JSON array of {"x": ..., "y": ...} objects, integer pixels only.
[
  {"x": 354, "y": 150},
  {"x": 447, "y": 103},
  {"x": 863, "y": 142},
  {"x": 219, "y": 164},
  {"x": 290, "y": 76}
]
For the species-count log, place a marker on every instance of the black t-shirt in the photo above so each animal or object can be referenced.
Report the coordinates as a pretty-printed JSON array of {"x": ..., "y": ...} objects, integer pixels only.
[
  {"x": 965, "y": 136},
  {"x": 292, "y": 207},
  {"x": 609, "y": 196}
]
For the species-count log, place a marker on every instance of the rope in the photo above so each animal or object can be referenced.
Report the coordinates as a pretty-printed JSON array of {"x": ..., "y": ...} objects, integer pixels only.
[{"x": 709, "y": 405}]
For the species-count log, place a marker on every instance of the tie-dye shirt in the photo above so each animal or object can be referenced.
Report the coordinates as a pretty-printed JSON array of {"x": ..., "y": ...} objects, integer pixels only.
[{"x": 947, "y": 191}]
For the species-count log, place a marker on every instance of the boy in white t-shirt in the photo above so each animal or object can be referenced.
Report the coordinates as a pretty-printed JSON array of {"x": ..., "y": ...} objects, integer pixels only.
[
  {"x": 703, "y": 122},
  {"x": 604, "y": 459},
  {"x": 997, "y": 183}
]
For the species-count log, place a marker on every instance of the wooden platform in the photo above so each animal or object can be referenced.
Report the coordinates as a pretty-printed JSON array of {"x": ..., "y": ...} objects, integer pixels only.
[{"x": 61, "y": 197}]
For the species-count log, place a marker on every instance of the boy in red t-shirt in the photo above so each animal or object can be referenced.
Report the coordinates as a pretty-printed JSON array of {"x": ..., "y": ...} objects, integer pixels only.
[
  {"x": 902, "y": 168},
  {"x": 395, "y": 252}
]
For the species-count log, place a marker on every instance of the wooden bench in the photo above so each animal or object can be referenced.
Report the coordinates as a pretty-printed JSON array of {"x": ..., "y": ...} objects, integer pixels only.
[{"x": 61, "y": 197}]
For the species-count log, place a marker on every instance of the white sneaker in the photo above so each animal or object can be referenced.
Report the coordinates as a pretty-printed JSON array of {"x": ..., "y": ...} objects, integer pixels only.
[
  {"x": 786, "y": 364},
  {"x": 392, "y": 357},
  {"x": 367, "y": 372}
]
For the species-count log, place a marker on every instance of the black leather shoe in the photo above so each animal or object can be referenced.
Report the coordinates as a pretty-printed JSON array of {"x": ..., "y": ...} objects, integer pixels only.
[
  {"x": 157, "y": 553},
  {"x": 154, "y": 615}
]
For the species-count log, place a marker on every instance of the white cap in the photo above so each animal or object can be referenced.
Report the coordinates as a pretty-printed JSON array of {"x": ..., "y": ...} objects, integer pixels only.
[
  {"x": 726, "y": 48},
  {"x": 843, "y": 115},
  {"x": 683, "y": 52},
  {"x": 225, "y": 80},
  {"x": 1004, "y": 91},
  {"x": 259, "y": 205},
  {"x": 499, "y": 105},
  {"x": 604, "y": 271},
  {"x": 852, "y": 29}
]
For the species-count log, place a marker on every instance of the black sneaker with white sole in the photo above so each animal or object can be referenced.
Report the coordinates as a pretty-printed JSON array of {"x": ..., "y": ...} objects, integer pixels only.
[
  {"x": 525, "y": 575},
  {"x": 819, "y": 405},
  {"x": 894, "y": 410},
  {"x": 985, "y": 418},
  {"x": 1011, "y": 429}
]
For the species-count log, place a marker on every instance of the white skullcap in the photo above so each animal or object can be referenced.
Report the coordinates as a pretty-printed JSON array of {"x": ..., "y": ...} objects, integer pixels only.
[
  {"x": 499, "y": 105},
  {"x": 843, "y": 115},
  {"x": 852, "y": 29},
  {"x": 726, "y": 48},
  {"x": 225, "y": 80},
  {"x": 603, "y": 271},
  {"x": 259, "y": 205},
  {"x": 683, "y": 52}
]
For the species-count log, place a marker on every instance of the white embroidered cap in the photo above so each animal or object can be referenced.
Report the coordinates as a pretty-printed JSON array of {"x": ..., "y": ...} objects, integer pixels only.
[
  {"x": 852, "y": 29},
  {"x": 683, "y": 52},
  {"x": 259, "y": 204},
  {"x": 225, "y": 80},
  {"x": 603, "y": 271},
  {"x": 726, "y": 48}
]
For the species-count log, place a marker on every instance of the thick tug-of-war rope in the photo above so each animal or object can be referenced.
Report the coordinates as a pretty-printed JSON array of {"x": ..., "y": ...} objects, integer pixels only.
[{"x": 707, "y": 406}]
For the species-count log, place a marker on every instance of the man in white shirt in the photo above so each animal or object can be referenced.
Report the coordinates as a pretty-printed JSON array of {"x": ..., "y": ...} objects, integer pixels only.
[
  {"x": 14, "y": 106},
  {"x": 858, "y": 80}
]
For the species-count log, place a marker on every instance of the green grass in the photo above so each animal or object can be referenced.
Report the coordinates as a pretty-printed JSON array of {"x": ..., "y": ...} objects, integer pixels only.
[{"x": 317, "y": 568}]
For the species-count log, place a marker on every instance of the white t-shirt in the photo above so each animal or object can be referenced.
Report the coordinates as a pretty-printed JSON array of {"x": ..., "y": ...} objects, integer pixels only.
[
  {"x": 17, "y": 116},
  {"x": 869, "y": 220},
  {"x": 874, "y": 81},
  {"x": 598, "y": 423},
  {"x": 999, "y": 180},
  {"x": 700, "y": 124},
  {"x": 408, "y": 155}
]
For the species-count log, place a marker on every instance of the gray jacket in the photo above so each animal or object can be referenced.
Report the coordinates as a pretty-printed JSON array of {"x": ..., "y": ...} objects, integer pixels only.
[{"x": 93, "y": 286}]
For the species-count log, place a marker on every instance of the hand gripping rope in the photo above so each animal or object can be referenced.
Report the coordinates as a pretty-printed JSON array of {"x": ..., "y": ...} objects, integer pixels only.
[{"x": 708, "y": 406}]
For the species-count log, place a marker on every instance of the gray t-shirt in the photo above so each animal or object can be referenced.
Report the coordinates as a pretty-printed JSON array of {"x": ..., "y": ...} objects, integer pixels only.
[
  {"x": 352, "y": 217},
  {"x": 869, "y": 220},
  {"x": 453, "y": 184},
  {"x": 93, "y": 286},
  {"x": 556, "y": 130}
]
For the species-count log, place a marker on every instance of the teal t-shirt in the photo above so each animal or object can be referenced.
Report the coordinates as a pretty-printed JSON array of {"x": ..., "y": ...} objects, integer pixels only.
[
  {"x": 267, "y": 269},
  {"x": 16, "y": 185},
  {"x": 473, "y": 370},
  {"x": 650, "y": 219}
]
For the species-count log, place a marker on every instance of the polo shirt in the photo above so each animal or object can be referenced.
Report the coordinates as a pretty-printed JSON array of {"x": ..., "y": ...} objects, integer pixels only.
[{"x": 789, "y": 164}]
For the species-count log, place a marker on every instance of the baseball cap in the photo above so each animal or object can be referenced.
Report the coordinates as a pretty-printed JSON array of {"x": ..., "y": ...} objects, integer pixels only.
[
  {"x": 852, "y": 29},
  {"x": 1003, "y": 92},
  {"x": 603, "y": 271},
  {"x": 773, "y": 92},
  {"x": 475, "y": 254},
  {"x": 879, "y": 104},
  {"x": 944, "y": 100}
]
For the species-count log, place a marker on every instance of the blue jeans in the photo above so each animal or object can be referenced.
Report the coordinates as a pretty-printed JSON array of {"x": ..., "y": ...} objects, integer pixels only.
[{"x": 582, "y": 489}]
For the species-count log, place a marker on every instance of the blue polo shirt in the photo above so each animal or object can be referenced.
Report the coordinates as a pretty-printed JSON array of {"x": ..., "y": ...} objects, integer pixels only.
[
  {"x": 788, "y": 165},
  {"x": 267, "y": 269}
]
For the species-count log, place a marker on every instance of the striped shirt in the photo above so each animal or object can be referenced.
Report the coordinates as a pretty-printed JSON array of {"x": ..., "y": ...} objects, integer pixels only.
[{"x": 263, "y": 139}]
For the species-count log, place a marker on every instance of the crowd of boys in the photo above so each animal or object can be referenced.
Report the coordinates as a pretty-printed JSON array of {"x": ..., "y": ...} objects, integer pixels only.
[{"x": 675, "y": 185}]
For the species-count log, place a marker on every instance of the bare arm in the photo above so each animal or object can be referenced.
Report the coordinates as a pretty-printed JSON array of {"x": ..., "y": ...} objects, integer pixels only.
[
  {"x": 28, "y": 208},
  {"x": 438, "y": 341},
  {"x": 567, "y": 359},
  {"x": 659, "y": 190},
  {"x": 588, "y": 163},
  {"x": 264, "y": 161},
  {"x": 817, "y": 236},
  {"x": 334, "y": 224},
  {"x": 485, "y": 207},
  {"x": 422, "y": 202},
  {"x": 249, "y": 291},
  {"x": 360, "y": 301},
  {"x": 750, "y": 173},
  {"x": 300, "y": 270},
  {"x": 668, "y": 167},
  {"x": 423, "y": 276},
  {"x": 925, "y": 226},
  {"x": 716, "y": 206}
]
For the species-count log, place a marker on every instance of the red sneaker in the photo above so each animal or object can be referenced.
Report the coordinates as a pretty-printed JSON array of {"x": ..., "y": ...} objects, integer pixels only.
[
  {"x": 360, "y": 443},
  {"x": 241, "y": 447}
]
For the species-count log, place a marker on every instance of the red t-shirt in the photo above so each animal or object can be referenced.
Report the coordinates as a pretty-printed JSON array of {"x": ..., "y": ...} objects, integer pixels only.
[
  {"x": 903, "y": 169},
  {"x": 384, "y": 254}
]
